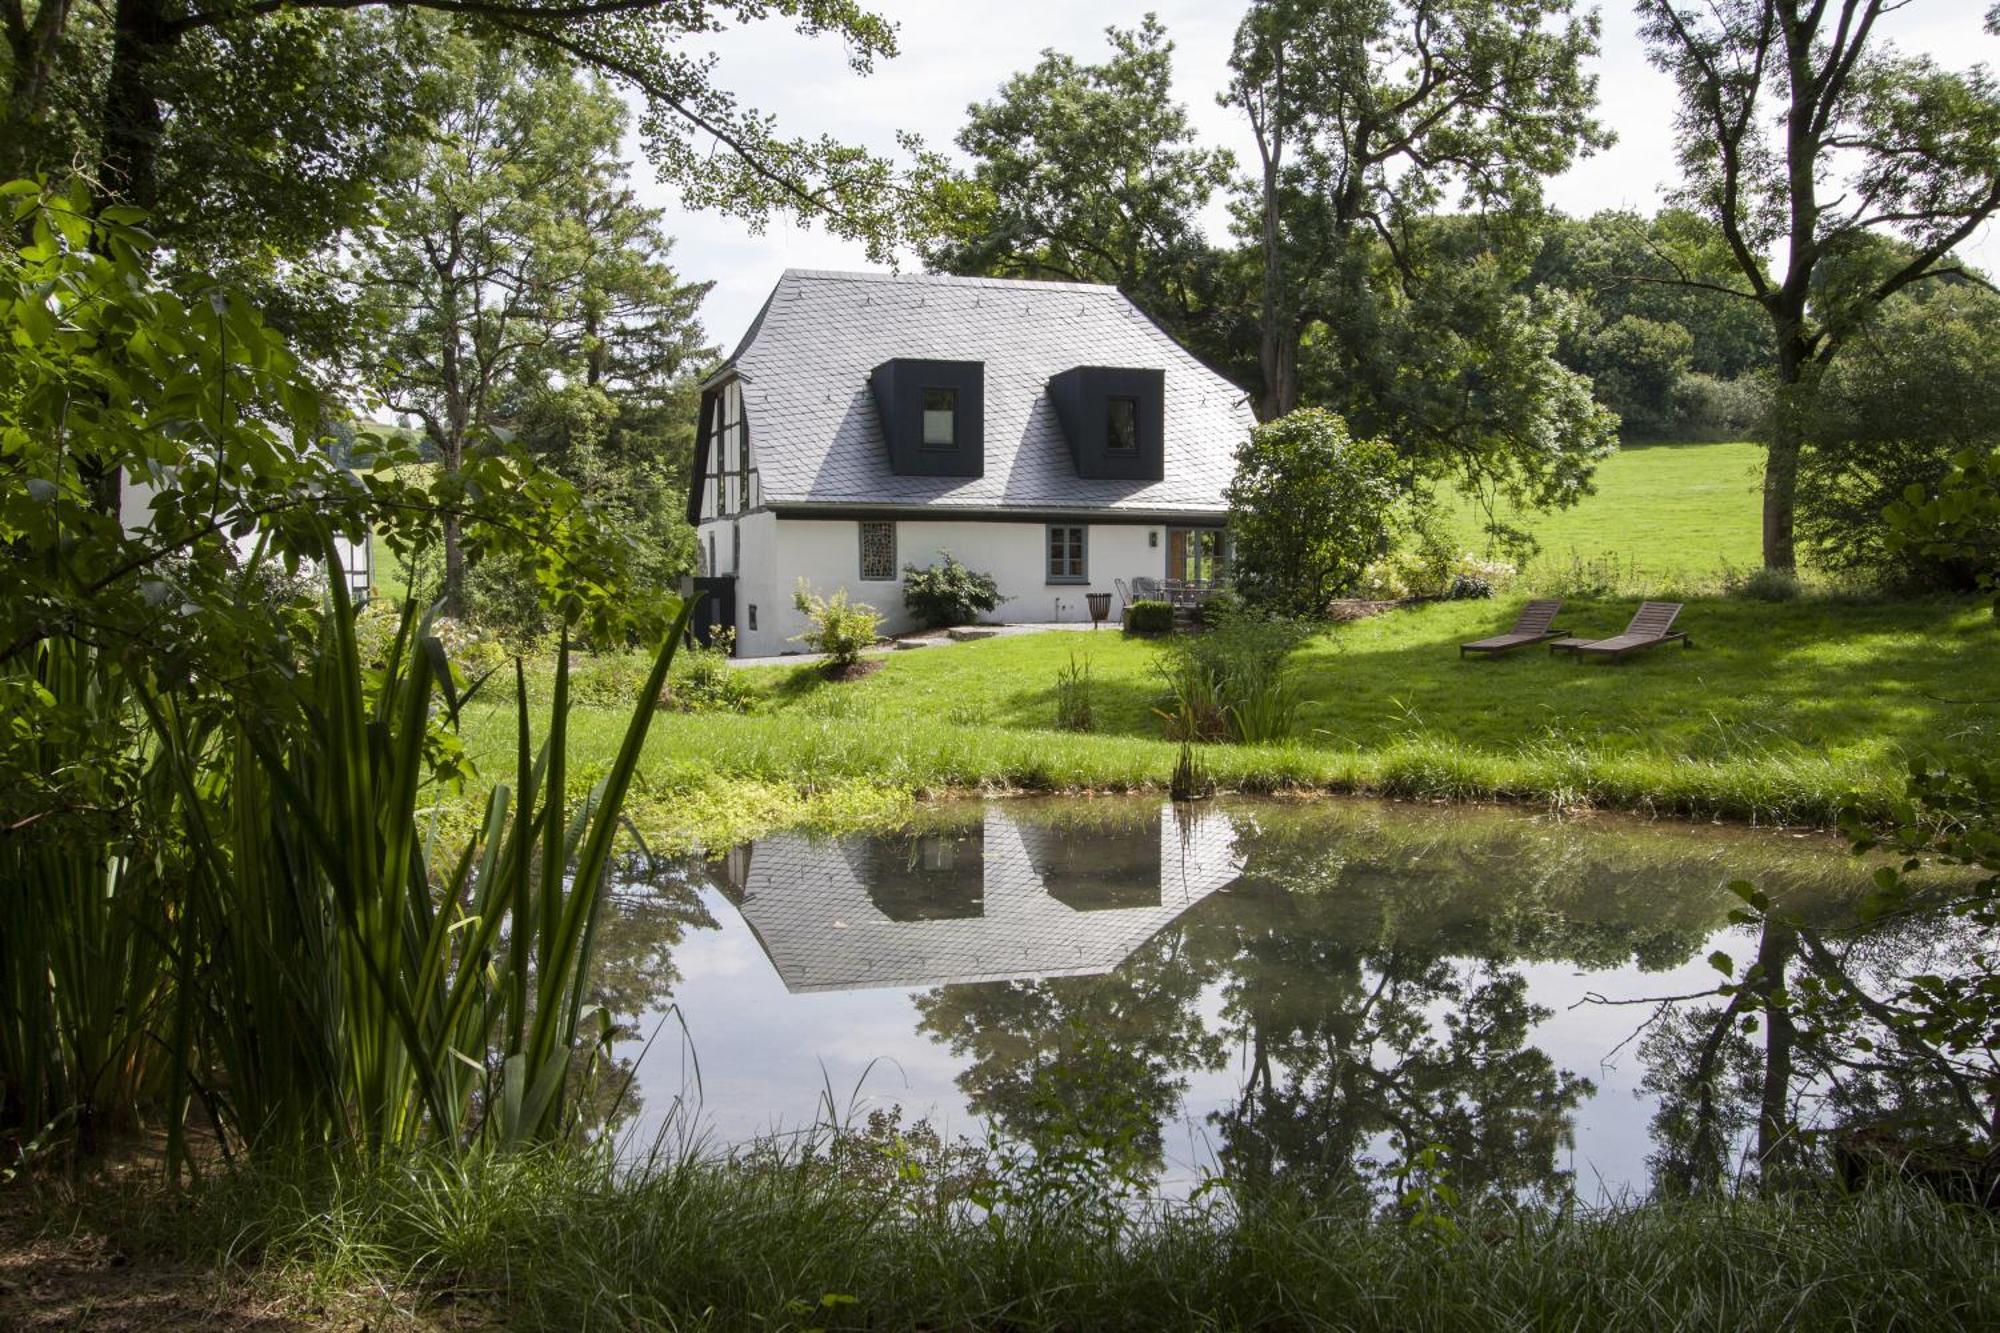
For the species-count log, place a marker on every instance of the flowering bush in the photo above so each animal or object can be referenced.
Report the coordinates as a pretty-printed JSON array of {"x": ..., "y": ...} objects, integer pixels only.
[{"x": 1412, "y": 574}]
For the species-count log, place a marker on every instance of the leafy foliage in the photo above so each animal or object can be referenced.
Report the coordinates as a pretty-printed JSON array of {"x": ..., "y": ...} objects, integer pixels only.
[
  {"x": 1366, "y": 118},
  {"x": 520, "y": 291},
  {"x": 1309, "y": 508},
  {"x": 1086, "y": 173},
  {"x": 839, "y": 628},
  {"x": 1961, "y": 522},
  {"x": 1912, "y": 392},
  {"x": 1149, "y": 615},
  {"x": 948, "y": 593},
  {"x": 207, "y": 790}
]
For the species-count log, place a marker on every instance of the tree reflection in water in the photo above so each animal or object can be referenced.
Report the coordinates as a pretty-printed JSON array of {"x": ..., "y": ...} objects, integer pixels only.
[
  {"x": 1365, "y": 975},
  {"x": 1364, "y": 982}
]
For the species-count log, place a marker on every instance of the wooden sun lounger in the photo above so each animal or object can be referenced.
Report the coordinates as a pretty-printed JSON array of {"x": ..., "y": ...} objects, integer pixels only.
[
  {"x": 1532, "y": 627},
  {"x": 1650, "y": 627}
]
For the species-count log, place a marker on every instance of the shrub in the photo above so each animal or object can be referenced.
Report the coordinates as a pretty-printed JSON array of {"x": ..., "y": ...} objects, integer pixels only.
[
  {"x": 840, "y": 628},
  {"x": 1073, "y": 691},
  {"x": 1309, "y": 508},
  {"x": 1702, "y": 407},
  {"x": 1886, "y": 423},
  {"x": 1229, "y": 684},
  {"x": 1149, "y": 616},
  {"x": 1762, "y": 585},
  {"x": 1464, "y": 587},
  {"x": 948, "y": 593},
  {"x": 704, "y": 682}
]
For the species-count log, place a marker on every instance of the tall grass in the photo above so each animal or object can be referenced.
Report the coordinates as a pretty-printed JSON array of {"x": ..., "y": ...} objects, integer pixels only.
[
  {"x": 282, "y": 957},
  {"x": 558, "y": 1238}
]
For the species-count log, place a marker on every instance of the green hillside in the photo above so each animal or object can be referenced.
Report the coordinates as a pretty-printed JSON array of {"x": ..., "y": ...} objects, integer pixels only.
[{"x": 1664, "y": 508}]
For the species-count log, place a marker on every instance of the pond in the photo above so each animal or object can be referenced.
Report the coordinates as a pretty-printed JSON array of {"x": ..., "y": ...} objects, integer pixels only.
[{"x": 1254, "y": 988}]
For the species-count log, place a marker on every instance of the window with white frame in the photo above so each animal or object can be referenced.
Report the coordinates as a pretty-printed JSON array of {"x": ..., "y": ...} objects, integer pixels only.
[
  {"x": 878, "y": 552},
  {"x": 1067, "y": 552}
]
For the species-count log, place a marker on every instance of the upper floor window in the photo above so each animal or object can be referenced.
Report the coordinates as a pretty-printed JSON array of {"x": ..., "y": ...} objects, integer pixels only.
[
  {"x": 940, "y": 418},
  {"x": 1121, "y": 426}
]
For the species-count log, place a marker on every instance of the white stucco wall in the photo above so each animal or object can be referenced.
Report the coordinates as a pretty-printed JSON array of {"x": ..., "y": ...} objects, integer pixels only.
[{"x": 777, "y": 552}]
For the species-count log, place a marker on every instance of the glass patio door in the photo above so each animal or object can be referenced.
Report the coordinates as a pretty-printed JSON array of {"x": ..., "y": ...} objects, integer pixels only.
[{"x": 1194, "y": 556}]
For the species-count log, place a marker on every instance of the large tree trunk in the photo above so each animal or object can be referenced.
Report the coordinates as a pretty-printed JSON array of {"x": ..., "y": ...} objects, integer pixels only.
[
  {"x": 132, "y": 120},
  {"x": 1786, "y": 437},
  {"x": 1775, "y": 1141}
]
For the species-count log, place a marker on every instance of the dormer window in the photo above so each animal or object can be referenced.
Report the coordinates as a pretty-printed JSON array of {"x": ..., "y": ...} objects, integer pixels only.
[
  {"x": 1121, "y": 426},
  {"x": 1115, "y": 420},
  {"x": 940, "y": 418},
  {"x": 933, "y": 416}
]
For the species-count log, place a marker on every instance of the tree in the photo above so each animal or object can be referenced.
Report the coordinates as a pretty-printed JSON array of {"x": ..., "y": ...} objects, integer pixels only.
[
  {"x": 1868, "y": 141},
  {"x": 1369, "y": 116},
  {"x": 251, "y": 130},
  {"x": 519, "y": 285},
  {"x": 1628, "y": 265},
  {"x": 1309, "y": 507},
  {"x": 1913, "y": 390},
  {"x": 1086, "y": 173}
]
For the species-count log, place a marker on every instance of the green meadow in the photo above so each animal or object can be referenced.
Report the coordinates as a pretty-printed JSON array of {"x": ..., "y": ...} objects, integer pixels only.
[
  {"x": 1660, "y": 511},
  {"x": 1779, "y": 713}
]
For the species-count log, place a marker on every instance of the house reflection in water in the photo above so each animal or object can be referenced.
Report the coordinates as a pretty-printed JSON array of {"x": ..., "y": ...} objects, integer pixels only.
[{"x": 1009, "y": 899}]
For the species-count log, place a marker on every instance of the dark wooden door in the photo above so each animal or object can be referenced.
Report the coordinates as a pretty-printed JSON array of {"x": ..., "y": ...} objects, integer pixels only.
[{"x": 715, "y": 607}]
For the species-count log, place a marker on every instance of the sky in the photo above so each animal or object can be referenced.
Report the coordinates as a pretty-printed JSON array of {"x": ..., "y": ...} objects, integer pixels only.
[{"x": 953, "y": 53}]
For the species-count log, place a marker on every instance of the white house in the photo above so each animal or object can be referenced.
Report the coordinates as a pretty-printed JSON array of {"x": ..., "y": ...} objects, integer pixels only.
[
  {"x": 135, "y": 505},
  {"x": 1048, "y": 434}
]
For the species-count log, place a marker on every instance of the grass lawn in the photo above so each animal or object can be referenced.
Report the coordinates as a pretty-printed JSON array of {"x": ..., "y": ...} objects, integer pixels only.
[
  {"x": 1782, "y": 712},
  {"x": 1661, "y": 511}
]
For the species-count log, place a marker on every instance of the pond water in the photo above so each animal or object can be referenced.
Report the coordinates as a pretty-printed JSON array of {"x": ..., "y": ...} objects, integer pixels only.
[{"x": 1250, "y": 987}]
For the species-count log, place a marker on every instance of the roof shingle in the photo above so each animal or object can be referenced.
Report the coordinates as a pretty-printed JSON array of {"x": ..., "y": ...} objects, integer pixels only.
[{"x": 816, "y": 439}]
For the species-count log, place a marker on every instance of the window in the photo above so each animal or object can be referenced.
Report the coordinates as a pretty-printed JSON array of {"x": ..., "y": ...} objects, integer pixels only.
[
  {"x": 711, "y": 555},
  {"x": 753, "y": 615},
  {"x": 1066, "y": 553},
  {"x": 940, "y": 418},
  {"x": 878, "y": 552},
  {"x": 1121, "y": 425},
  {"x": 736, "y": 548}
]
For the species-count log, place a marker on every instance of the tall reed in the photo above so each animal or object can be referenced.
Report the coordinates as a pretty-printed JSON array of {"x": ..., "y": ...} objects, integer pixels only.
[{"x": 295, "y": 962}]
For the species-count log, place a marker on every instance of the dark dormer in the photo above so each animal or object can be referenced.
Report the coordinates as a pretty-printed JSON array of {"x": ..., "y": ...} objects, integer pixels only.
[
  {"x": 933, "y": 416},
  {"x": 1115, "y": 420}
]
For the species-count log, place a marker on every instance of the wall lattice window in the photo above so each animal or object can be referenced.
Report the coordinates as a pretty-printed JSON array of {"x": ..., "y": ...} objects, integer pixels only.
[{"x": 878, "y": 552}]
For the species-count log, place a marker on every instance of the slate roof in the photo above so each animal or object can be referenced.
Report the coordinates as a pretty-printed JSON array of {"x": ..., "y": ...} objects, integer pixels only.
[
  {"x": 808, "y": 901},
  {"x": 816, "y": 439}
]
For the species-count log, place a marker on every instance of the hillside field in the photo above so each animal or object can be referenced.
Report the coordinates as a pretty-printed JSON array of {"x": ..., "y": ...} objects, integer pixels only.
[{"x": 1661, "y": 511}]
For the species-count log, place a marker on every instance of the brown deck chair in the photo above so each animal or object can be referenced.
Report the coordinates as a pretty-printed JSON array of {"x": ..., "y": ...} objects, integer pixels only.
[
  {"x": 1532, "y": 627},
  {"x": 1650, "y": 627}
]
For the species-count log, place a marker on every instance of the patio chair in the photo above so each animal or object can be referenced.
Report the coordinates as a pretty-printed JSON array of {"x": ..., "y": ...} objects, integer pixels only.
[
  {"x": 1532, "y": 626},
  {"x": 1650, "y": 627},
  {"x": 1124, "y": 594},
  {"x": 1145, "y": 589}
]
